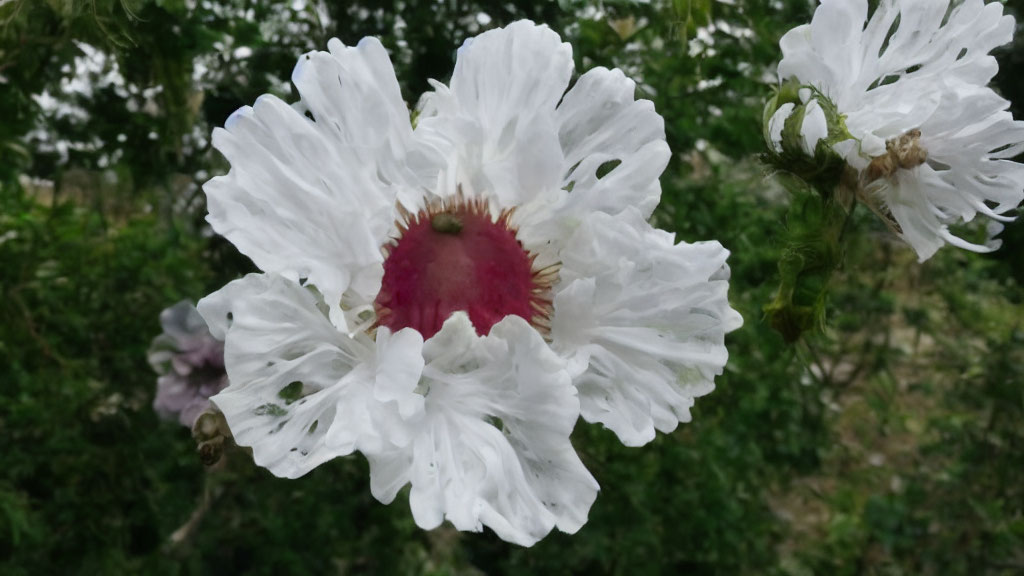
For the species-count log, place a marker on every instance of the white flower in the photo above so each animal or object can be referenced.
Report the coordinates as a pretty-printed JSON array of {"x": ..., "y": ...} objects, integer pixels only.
[
  {"x": 434, "y": 297},
  {"x": 930, "y": 139}
]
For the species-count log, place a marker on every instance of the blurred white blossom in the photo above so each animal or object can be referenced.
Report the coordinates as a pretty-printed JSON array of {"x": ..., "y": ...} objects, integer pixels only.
[{"x": 930, "y": 140}]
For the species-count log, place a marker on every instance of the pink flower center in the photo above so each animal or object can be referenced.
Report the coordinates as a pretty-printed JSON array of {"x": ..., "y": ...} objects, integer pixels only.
[{"x": 454, "y": 257}]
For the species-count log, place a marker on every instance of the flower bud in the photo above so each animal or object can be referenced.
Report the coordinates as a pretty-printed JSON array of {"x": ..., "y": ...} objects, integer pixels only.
[{"x": 800, "y": 125}]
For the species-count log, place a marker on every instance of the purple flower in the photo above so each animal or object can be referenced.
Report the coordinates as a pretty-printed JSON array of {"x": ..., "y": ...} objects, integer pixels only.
[{"x": 190, "y": 362}]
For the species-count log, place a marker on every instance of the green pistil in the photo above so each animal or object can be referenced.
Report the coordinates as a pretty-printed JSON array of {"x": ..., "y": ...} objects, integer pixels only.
[{"x": 446, "y": 223}]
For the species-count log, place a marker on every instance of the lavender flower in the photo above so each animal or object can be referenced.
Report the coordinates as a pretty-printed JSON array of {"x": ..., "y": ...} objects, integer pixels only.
[{"x": 190, "y": 362}]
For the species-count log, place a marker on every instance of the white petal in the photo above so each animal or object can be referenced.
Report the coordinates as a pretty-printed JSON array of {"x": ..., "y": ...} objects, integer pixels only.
[
  {"x": 493, "y": 449},
  {"x": 778, "y": 122},
  {"x": 915, "y": 198},
  {"x": 506, "y": 72},
  {"x": 957, "y": 49},
  {"x": 498, "y": 116},
  {"x": 836, "y": 34},
  {"x": 389, "y": 472},
  {"x": 814, "y": 127},
  {"x": 971, "y": 134},
  {"x": 649, "y": 316},
  {"x": 539, "y": 420},
  {"x": 825, "y": 52},
  {"x": 850, "y": 150},
  {"x": 301, "y": 392},
  {"x": 798, "y": 57},
  {"x": 965, "y": 174},
  {"x": 399, "y": 365},
  {"x": 602, "y": 127},
  {"x": 314, "y": 198},
  {"x": 905, "y": 199}
]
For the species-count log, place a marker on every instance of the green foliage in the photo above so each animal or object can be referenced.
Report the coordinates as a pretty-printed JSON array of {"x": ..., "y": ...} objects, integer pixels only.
[
  {"x": 80, "y": 464},
  {"x": 889, "y": 443},
  {"x": 922, "y": 482}
]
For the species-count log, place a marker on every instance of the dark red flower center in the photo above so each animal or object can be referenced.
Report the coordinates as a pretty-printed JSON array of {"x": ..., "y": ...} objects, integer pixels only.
[{"x": 454, "y": 256}]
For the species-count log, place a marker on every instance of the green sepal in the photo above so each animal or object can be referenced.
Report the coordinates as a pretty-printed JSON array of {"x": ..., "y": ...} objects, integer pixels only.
[{"x": 813, "y": 251}]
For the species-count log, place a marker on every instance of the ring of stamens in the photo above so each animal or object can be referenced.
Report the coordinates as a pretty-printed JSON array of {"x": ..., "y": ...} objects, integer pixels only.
[{"x": 456, "y": 255}]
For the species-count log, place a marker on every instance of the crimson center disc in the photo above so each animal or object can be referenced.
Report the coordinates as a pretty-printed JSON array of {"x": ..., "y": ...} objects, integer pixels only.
[{"x": 456, "y": 258}]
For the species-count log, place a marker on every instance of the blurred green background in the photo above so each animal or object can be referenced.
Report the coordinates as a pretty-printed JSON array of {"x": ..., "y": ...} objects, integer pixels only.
[{"x": 890, "y": 443}]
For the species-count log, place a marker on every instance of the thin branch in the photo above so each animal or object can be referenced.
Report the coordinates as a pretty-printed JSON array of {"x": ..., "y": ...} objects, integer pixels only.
[{"x": 31, "y": 327}]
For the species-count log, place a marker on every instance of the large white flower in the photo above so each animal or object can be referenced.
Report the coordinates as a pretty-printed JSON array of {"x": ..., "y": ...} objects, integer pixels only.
[
  {"x": 433, "y": 297},
  {"x": 930, "y": 139}
]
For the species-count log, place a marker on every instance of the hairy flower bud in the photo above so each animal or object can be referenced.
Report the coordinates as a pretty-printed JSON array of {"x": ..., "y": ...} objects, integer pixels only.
[{"x": 800, "y": 126}]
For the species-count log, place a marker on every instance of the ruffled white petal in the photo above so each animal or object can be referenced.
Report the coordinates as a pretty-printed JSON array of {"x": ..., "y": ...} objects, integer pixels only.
[
  {"x": 886, "y": 77},
  {"x": 828, "y": 48},
  {"x": 614, "y": 153},
  {"x": 643, "y": 321},
  {"x": 854, "y": 60},
  {"x": 971, "y": 135},
  {"x": 302, "y": 392},
  {"x": 965, "y": 174},
  {"x": 957, "y": 49},
  {"x": 492, "y": 448},
  {"x": 498, "y": 116},
  {"x": 399, "y": 369},
  {"x": 600, "y": 150},
  {"x": 313, "y": 197}
]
